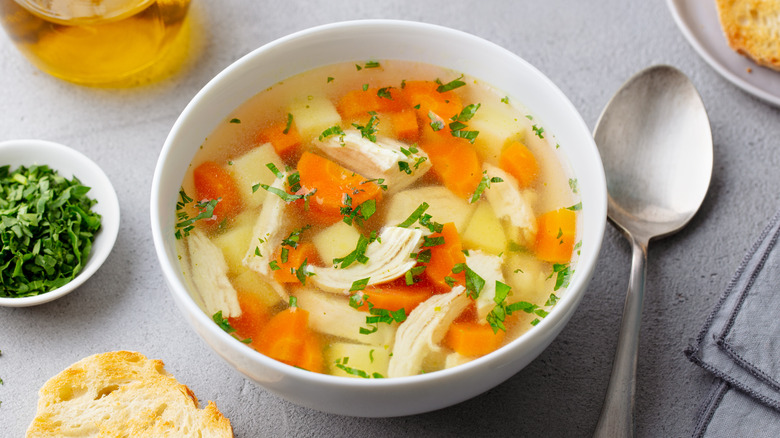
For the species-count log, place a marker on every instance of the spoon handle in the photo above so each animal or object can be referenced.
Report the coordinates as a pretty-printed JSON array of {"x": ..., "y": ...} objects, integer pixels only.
[{"x": 617, "y": 414}]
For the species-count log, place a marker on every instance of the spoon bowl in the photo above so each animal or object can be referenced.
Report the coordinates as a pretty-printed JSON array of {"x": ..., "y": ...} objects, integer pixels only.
[{"x": 656, "y": 145}]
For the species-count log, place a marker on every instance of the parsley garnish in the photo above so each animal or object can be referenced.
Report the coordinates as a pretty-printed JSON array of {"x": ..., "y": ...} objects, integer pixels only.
[
  {"x": 455, "y": 83},
  {"x": 505, "y": 99},
  {"x": 384, "y": 93},
  {"x": 436, "y": 123},
  {"x": 358, "y": 214},
  {"x": 342, "y": 365},
  {"x": 357, "y": 255},
  {"x": 186, "y": 223},
  {"x": 538, "y": 130},
  {"x": 575, "y": 207},
  {"x": 333, "y": 130},
  {"x": 235, "y": 121},
  {"x": 289, "y": 123},
  {"x": 484, "y": 184},
  {"x": 563, "y": 273},
  {"x": 369, "y": 130},
  {"x": 573, "y": 185},
  {"x": 224, "y": 324}
]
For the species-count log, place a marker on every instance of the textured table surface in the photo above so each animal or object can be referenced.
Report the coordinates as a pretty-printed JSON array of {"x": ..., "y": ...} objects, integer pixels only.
[{"x": 588, "y": 48}]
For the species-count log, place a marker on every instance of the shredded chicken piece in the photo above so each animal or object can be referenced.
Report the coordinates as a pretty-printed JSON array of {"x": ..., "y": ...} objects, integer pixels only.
[
  {"x": 209, "y": 276},
  {"x": 332, "y": 315},
  {"x": 510, "y": 204},
  {"x": 267, "y": 235},
  {"x": 424, "y": 329},
  {"x": 379, "y": 159},
  {"x": 388, "y": 259}
]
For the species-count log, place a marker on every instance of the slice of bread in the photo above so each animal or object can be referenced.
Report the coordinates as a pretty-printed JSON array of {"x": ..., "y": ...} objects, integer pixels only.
[
  {"x": 122, "y": 394},
  {"x": 752, "y": 28}
]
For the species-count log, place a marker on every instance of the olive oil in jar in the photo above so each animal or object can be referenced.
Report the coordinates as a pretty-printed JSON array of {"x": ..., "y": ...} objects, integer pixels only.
[{"x": 94, "y": 42}]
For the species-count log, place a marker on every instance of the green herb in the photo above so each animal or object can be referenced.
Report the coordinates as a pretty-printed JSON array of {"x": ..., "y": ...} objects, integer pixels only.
[
  {"x": 505, "y": 99},
  {"x": 474, "y": 283},
  {"x": 484, "y": 184},
  {"x": 529, "y": 117},
  {"x": 538, "y": 130},
  {"x": 275, "y": 170},
  {"x": 333, "y": 130},
  {"x": 342, "y": 365},
  {"x": 552, "y": 300},
  {"x": 286, "y": 197},
  {"x": 371, "y": 64},
  {"x": 436, "y": 123},
  {"x": 295, "y": 237},
  {"x": 235, "y": 121},
  {"x": 330, "y": 79},
  {"x": 432, "y": 241},
  {"x": 369, "y": 130},
  {"x": 359, "y": 284},
  {"x": 359, "y": 214},
  {"x": 563, "y": 273},
  {"x": 301, "y": 272},
  {"x": 47, "y": 227},
  {"x": 365, "y": 87},
  {"x": 384, "y": 93},
  {"x": 186, "y": 223},
  {"x": 274, "y": 265},
  {"x": 455, "y": 83},
  {"x": 293, "y": 302},
  {"x": 573, "y": 185},
  {"x": 575, "y": 207},
  {"x": 357, "y": 255},
  {"x": 416, "y": 214},
  {"x": 466, "y": 113},
  {"x": 377, "y": 181},
  {"x": 289, "y": 124},
  {"x": 224, "y": 324}
]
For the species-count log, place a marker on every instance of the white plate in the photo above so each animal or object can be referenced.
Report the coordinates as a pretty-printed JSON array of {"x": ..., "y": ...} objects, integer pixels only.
[
  {"x": 68, "y": 162},
  {"x": 698, "y": 21}
]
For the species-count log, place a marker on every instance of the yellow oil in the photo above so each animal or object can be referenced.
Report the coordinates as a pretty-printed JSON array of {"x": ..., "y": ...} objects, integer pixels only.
[{"x": 98, "y": 42}]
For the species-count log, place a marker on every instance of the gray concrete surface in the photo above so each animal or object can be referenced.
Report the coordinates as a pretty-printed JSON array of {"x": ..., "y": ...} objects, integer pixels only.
[{"x": 588, "y": 48}]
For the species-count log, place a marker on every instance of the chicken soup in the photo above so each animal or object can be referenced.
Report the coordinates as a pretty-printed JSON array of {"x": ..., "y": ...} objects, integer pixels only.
[{"x": 378, "y": 219}]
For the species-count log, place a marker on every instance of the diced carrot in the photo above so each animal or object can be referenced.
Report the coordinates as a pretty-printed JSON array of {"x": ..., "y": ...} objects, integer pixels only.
[
  {"x": 397, "y": 295},
  {"x": 287, "y": 338},
  {"x": 471, "y": 338},
  {"x": 254, "y": 316},
  {"x": 519, "y": 162},
  {"x": 405, "y": 126},
  {"x": 456, "y": 164},
  {"x": 212, "y": 181},
  {"x": 357, "y": 103},
  {"x": 333, "y": 184},
  {"x": 287, "y": 145},
  {"x": 555, "y": 235},
  {"x": 444, "y": 259},
  {"x": 295, "y": 257},
  {"x": 425, "y": 98}
]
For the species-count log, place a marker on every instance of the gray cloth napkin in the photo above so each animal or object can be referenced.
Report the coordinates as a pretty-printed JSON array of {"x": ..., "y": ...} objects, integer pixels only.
[{"x": 740, "y": 346}]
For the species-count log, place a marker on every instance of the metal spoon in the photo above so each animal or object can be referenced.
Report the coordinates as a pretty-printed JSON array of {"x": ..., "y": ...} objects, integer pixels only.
[{"x": 655, "y": 141}]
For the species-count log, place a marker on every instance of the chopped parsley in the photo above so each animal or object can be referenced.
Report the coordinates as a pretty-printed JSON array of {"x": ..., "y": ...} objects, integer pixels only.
[
  {"x": 186, "y": 223},
  {"x": 538, "y": 130},
  {"x": 562, "y": 273},
  {"x": 342, "y": 365},
  {"x": 573, "y": 185},
  {"x": 235, "y": 120},
  {"x": 455, "y": 83},
  {"x": 384, "y": 93},
  {"x": 369, "y": 130},
  {"x": 286, "y": 129},
  {"x": 484, "y": 184},
  {"x": 359, "y": 214},
  {"x": 357, "y": 255},
  {"x": 224, "y": 324},
  {"x": 437, "y": 124},
  {"x": 333, "y": 130}
]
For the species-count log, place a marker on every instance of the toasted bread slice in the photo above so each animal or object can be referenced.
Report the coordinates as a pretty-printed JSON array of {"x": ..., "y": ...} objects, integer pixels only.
[
  {"x": 752, "y": 28},
  {"x": 122, "y": 394}
]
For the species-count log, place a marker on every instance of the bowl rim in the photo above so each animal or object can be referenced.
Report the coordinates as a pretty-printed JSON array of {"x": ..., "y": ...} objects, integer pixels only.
[
  {"x": 68, "y": 163},
  {"x": 585, "y": 265}
]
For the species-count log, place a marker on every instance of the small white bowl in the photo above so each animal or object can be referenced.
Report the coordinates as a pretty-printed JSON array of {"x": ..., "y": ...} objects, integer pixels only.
[
  {"x": 68, "y": 163},
  {"x": 358, "y": 41}
]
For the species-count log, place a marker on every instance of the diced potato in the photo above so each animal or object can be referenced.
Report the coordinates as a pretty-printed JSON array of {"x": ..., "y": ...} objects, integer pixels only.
[
  {"x": 331, "y": 314},
  {"x": 235, "y": 241},
  {"x": 250, "y": 169},
  {"x": 444, "y": 206},
  {"x": 336, "y": 241},
  {"x": 496, "y": 125},
  {"x": 528, "y": 278},
  {"x": 484, "y": 231},
  {"x": 367, "y": 358},
  {"x": 250, "y": 281},
  {"x": 313, "y": 115}
]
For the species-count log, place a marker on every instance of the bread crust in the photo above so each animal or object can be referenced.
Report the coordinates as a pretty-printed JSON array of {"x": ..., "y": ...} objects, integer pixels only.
[
  {"x": 122, "y": 394},
  {"x": 752, "y": 28}
]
